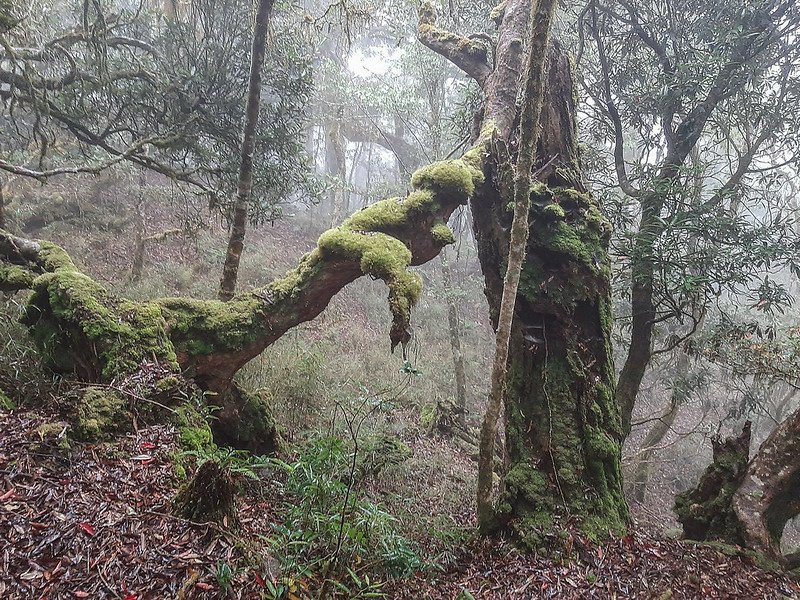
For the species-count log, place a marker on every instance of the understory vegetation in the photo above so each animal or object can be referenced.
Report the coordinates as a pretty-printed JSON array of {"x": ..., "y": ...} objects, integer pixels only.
[{"x": 412, "y": 300}]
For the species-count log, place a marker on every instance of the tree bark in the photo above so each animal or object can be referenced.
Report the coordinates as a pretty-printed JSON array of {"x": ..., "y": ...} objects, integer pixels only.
[
  {"x": 563, "y": 428},
  {"x": 705, "y": 511},
  {"x": 230, "y": 269},
  {"x": 769, "y": 494},
  {"x": 533, "y": 95}
]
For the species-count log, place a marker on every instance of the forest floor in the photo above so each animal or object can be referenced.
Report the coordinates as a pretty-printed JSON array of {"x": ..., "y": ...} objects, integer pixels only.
[{"x": 92, "y": 521}]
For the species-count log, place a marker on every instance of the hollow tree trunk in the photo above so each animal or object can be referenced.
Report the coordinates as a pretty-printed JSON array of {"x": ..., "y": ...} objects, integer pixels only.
[
  {"x": 748, "y": 503},
  {"x": 769, "y": 494},
  {"x": 705, "y": 511},
  {"x": 230, "y": 269}
]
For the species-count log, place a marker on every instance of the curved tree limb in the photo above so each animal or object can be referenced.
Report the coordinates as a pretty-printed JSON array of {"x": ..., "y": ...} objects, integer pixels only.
[
  {"x": 469, "y": 55},
  {"x": 80, "y": 326}
]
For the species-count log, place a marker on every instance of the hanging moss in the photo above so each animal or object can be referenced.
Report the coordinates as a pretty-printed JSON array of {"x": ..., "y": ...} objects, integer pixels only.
[{"x": 367, "y": 235}]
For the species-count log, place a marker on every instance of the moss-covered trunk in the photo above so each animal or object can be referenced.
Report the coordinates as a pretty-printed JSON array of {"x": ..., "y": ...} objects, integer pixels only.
[{"x": 563, "y": 429}]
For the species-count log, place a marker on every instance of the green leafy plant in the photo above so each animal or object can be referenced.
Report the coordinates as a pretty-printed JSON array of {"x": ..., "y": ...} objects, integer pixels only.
[{"x": 329, "y": 528}]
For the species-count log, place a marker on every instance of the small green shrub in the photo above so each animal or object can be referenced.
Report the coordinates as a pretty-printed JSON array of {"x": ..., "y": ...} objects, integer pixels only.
[{"x": 329, "y": 528}]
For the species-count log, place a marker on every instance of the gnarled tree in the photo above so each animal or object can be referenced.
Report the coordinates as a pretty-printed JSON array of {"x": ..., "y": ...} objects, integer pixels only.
[{"x": 563, "y": 428}]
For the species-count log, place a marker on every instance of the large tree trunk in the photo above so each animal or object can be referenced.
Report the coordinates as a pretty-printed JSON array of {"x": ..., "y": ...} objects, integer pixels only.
[
  {"x": 533, "y": 89},
  {"x": 230, "y": 269},
  {"x": 563, "y": 428}
]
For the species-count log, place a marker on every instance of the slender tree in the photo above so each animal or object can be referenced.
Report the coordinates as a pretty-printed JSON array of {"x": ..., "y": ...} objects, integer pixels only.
[{"x": 230, "y": 268}]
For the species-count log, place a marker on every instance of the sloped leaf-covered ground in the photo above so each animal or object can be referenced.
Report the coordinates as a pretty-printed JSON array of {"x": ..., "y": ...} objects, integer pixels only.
[{"x": 93, "y": 522}]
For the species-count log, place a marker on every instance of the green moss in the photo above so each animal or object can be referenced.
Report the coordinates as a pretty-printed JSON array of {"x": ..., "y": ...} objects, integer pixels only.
[
  {"x": 377, "y": 453},
  {"x": 70, "y": 313},
  {"x": 54, "y": 258},
  {"x": 553, "y": 212},
  {"x": 13, "y": 278},
  {"x": 442, "y": 235},
  {"x": 205, "y": 326},
  {"x": 99, "y": 413},
  {"x": 451, "y": 178},
  {"x": 194, "y": 433},
  {"x": 246, "y": 423},
  {"x": 287, "y": 286},
  {"x": 54, "y": 432},
  {"x": 6, "y": 403},
  {"x": 51, "y": 430},
  {"x": 428, "y": 415}
]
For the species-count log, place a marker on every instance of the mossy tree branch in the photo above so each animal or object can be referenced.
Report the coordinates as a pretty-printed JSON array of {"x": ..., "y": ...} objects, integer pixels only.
[
  {"x": 469, "y": 55},
  {"x": 80, "y": 326}
]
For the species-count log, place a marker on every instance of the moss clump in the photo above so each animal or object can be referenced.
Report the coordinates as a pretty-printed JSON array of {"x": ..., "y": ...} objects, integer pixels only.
[
  {"x": 55, "y": 432},
  {"x": 287, "y": 286},
  {"x": 194, "y": 433},
  {"x": 442, "y": 235},
  {"x": 78, "y": 325},
  {"x": 200, "y": 327},
  {"x": 99, "y": 413},
  {"x": 379, "y": 453},
  {"x": 453, "y": 179},
  {"x": 246, "y": 422},
  {"x": 553, "y": 212},
  {"x": 13, "y": 278}
]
